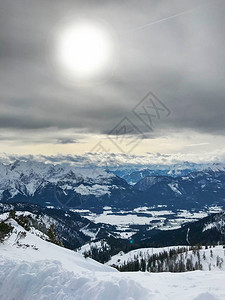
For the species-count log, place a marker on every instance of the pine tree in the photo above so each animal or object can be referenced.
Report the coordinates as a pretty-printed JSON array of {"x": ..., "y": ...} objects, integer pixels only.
[{"x": 52, "y": 235}]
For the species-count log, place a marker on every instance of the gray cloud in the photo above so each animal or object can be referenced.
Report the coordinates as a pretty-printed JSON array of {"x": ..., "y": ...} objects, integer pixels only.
[
  {"x": 181, "y": 60},
  {"x": 66, "y": 141},
  {"x": 123, "y": 160}
]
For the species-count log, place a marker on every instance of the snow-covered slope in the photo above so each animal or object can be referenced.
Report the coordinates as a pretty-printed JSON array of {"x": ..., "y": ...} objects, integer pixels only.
[
  {"x": 209, "y": 258},
  {"x": 32, "y": 248},
  {"x": 32, "y": 268}
]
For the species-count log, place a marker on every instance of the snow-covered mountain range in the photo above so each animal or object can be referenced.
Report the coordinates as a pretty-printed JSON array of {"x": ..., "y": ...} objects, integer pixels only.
[
  {"x": 63, "y": 185},
  {"x": 56, "y": 185},
  {"x": 27, "y": 176}
]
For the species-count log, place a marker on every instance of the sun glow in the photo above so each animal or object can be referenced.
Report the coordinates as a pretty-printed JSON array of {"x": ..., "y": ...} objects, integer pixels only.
[{"x": 85, "y": 51}]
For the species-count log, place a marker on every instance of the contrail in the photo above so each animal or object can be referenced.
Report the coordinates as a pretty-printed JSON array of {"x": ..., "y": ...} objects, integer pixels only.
[{"x": 167, "y": 18}]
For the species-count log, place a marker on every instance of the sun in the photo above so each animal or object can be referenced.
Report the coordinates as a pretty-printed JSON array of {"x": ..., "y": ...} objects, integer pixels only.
[{"x": 85, "y": 50}]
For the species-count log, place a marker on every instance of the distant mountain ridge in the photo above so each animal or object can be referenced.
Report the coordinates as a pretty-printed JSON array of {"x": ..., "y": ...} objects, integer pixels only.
[
  {"x": 133, "y": 175},
  {"x": 204, "y": 187}
]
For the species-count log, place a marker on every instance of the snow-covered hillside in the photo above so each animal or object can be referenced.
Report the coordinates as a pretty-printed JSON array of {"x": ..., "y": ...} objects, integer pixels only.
[
  {"x": 32, "y": 268},
  {"x": 180, "y": 258},
  {"x": 31, "y": 246}
]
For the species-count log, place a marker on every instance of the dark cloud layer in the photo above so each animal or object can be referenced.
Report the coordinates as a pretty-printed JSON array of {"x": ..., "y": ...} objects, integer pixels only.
[{"x": 181, "y": 60}]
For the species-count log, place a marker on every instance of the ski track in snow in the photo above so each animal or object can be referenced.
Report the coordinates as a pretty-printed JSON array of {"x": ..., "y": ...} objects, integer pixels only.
[{"x": 187, "y": 236}]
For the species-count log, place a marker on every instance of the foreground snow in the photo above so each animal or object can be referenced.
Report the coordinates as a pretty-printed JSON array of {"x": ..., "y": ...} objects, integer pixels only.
[
  {"x": 34, "y": 269},
  {"x": 49, "y": 280}
]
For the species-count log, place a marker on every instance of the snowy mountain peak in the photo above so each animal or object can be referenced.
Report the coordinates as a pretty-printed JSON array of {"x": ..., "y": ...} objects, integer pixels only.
[{"x": 26, "y": 177}]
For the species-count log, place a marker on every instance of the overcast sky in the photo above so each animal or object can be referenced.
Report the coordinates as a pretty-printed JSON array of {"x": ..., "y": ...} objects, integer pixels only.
[{"x": 175, "y": 49}]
